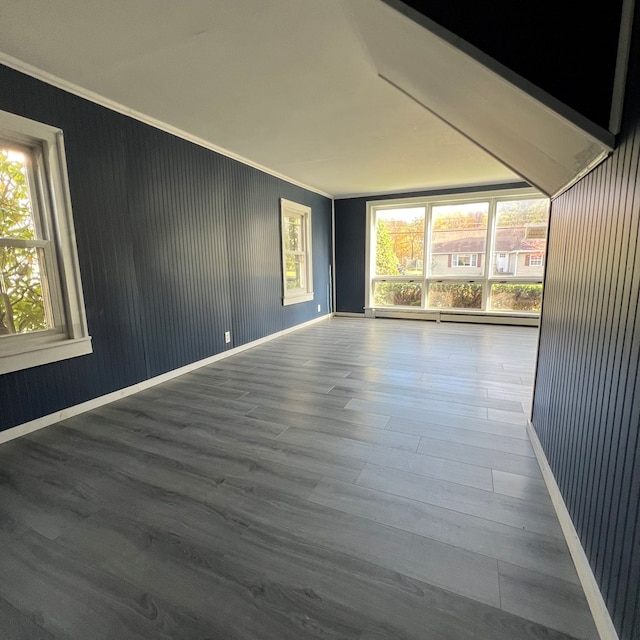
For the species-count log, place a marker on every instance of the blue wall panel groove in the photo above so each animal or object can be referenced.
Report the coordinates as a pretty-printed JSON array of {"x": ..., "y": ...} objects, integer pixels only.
[
  {"x": 177, "y": 244},
  {"x": 587, "y": 396}
]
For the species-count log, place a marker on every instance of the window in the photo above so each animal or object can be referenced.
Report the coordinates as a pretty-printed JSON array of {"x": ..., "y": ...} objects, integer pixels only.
[
  {"x": 521, "y": 228},
  {"x": 477, "y": 253},
  {"x": 464, "y": 260},
  {"x": 297, "y": 266},
  {"x": 42, "y": 316}
]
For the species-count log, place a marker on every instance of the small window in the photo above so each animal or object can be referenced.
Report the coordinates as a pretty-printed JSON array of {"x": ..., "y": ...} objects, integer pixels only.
[
  {"x": 535, "y": 260},
  {"x": 297, "y": 266},
  {"x": 42, "y": 316},
  {"x": 464, "y": 260}
]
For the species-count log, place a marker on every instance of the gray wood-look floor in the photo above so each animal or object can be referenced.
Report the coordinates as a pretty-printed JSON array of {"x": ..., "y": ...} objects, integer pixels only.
[{"x": 356, "y": 479}]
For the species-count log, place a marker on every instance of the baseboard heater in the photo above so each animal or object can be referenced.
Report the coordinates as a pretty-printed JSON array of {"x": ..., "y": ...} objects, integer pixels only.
[{"x": 451, "y": 316}]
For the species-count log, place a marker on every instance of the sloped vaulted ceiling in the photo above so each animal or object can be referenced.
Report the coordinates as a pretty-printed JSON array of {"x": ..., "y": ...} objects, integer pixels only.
[
  {"x": 544, "y": 141},
  {"x": 568, "y": 49},
  {"x": 347, "y": 97}
]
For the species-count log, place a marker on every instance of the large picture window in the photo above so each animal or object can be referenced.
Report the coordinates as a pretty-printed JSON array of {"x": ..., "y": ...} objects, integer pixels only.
[
  {"x": 42, "y": 316},
  {"x": 476, "y": 253},
  {"x": 297, "y": 265}
]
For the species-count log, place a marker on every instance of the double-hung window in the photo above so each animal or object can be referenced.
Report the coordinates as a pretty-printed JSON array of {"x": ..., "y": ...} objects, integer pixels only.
[
  {"x": 297, "y": 265},
  {"x": 42, "y": 317}
]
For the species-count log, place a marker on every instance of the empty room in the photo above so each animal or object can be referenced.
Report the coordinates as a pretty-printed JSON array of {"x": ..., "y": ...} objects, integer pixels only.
[{"x": 319, "y": 320}]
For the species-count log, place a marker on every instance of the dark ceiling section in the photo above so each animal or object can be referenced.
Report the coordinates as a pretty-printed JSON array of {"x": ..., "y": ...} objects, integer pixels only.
[{"x": 568, "y": 49}]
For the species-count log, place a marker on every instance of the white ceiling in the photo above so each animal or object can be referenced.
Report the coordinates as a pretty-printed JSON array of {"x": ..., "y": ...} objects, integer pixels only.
[{"x": 287, "y": 85}]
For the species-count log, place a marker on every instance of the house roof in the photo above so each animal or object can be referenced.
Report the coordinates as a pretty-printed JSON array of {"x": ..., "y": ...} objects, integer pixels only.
[{"x": 508, "y": 239}]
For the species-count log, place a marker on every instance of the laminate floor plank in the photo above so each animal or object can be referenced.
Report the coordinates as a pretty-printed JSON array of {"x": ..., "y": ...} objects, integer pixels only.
[
  {"x": 474, "y": 438},
  {"x": 515, "y": 417},
  {"x": 528, "y": 549},
  {"x": 191, "y": 397},
  {"x": 274, "y": 366},
  {"x": 205, "y": 445},
  {"x": 488, "y": 380},
  {"x": 520, "y": 486},
  {"x": 548, "y": 601},
  {"x": 415, "y": 413},
  {"x": 36, "y": 495},
  {"x": 184, "y": 467},
  {"x": 423, "y": 406},
  {"x": 398, "y": 608},
  {"x": 286, "y": 374},
  {"x": 221, "y": 516},
  {"x": 356, "y": 479},
  {"x": 18, "y": 626},
  {"x": 362, "y": 418},
  {"x": 436, "y": 467},
  {"x": 440, "y": 564},
  {"x": 71, "y": 598},
  {"x": 149, "y": 417},
  {"x": 422, "y": 398},
  {"x": 459, "y": 422},
  {"x": 200, "y": 386},
  {"x": 403, "y": 441},
  {"x": 284, "y": 398},
  {"x": 474, "y": 380},
  {"x": 480, "y": 456},
  {"x": 240, "y": 383},
  {"x": 516, "y": 512}
]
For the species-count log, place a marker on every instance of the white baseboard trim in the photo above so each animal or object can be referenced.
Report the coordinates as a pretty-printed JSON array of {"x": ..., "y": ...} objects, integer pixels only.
[
  {"x": 599, "y": 610},
  {"x": 45, "y": 421}
]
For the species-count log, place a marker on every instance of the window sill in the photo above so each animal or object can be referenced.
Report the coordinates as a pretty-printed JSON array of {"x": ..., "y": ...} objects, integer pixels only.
[
  {"x": 305, "y": 297},
  {"x": 44, "y": 353}
]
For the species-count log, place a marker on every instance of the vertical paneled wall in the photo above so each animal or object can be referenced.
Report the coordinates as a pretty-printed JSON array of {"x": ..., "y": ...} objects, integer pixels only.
[
  {"x": 587, "y": 398},
  {"x": 351, "y": 242},
  {"x": 177, "y": 244}
]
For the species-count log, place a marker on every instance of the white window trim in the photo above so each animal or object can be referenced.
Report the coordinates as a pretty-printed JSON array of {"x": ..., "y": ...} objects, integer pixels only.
[
  {"x": 487, "y": 279},
  {"x": 473, "y": 260},
  {"x": 536, "y": 260},
  {"x": 295, "y": 296},
  {"x": 70, "y": 337}
]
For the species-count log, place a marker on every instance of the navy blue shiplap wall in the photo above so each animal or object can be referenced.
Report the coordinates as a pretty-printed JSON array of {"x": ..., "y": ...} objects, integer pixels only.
[
  {"x": 351, "y": 241},
  {"x": 177, "y": 244},
  {"x": 587, "y": 395}
]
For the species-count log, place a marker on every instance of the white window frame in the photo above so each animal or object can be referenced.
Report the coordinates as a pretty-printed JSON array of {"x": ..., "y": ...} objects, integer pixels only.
[
  {"x": 289, "y": 209},
  {"x": 473, "y": 260},
  {"x": 486, "y": 279},
  {"x": 536, "y": 260},
  {"x": 68, "y": 336}
]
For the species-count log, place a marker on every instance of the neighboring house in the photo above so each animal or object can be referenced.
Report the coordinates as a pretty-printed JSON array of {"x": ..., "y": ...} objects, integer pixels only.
[{"x": 518, "y": 252}]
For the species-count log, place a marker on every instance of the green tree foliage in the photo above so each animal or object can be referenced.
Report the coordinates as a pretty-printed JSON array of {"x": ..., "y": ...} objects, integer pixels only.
[
  {"x": 444, "y": 295},
  {"x": 21, "y": 296},
  {"x": 516, "y": 297},
  {"x": 461, "y": 220},
  {"x": 406, "y": 294},
  {"x": 518, "y": 213},
  {"x": 407, "y": 239},
  {"x": 386, "y": 259}
]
